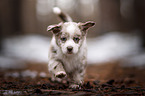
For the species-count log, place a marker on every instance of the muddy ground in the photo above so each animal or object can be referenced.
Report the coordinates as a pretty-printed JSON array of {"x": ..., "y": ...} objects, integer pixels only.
[{"x": 100, "y": 80}]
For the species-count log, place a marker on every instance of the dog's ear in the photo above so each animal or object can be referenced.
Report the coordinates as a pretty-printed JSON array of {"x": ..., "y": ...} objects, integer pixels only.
[
  {"x": 55, "y": 29},
  {"x": 85, "y": 26}
]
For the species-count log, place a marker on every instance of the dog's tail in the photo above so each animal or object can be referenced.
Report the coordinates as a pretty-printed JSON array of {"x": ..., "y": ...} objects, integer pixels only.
[{"x": 63, "y": 16}]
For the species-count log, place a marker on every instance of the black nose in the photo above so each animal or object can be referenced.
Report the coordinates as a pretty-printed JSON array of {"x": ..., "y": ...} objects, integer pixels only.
[{"x": 69, "y": 48}]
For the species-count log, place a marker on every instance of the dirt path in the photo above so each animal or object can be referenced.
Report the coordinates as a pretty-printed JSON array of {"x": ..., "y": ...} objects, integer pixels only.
[{"x": 105, "y": 79}]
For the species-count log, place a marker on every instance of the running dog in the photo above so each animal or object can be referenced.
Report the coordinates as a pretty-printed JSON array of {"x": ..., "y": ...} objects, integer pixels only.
[{"x": 68, "y": 49}]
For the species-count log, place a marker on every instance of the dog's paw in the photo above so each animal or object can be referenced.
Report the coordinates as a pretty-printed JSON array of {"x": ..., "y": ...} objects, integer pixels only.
[
  {"x": 60, "y": 74},
  {"x": 74, "y": 86}
]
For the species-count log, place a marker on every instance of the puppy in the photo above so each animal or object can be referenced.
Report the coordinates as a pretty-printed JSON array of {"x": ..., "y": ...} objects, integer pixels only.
[{"x": 68, "y": 49}]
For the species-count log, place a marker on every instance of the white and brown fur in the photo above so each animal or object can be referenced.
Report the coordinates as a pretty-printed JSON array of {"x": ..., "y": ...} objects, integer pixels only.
[{"x": 68, "y": 49}]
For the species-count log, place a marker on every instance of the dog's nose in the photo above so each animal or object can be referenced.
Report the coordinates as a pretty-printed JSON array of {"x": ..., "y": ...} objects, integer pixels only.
[{"x": 69, "y": 48}]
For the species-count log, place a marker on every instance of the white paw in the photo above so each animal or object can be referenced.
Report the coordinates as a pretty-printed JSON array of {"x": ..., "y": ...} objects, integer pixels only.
[
  {"x": 74, "y": 86},
  {"x": 60, "y": 74}
]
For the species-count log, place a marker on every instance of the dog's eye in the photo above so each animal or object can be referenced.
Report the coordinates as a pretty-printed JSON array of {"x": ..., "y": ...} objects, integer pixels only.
[
  {"x": 63, "y": 39},
  {"x": 76, "y": 39}
]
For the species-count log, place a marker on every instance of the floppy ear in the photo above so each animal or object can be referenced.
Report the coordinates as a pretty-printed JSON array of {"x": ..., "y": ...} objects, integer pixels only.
[
  {"x": 85, "y": 26},
  {"x": 54, "y": 28}
]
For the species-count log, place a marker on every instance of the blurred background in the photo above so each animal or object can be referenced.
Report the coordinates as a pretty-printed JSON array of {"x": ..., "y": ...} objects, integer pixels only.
[{"x": 119, "y": 33}]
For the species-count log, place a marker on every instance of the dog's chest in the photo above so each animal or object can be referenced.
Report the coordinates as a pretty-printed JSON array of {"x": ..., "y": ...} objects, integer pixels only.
[{"x": 71, "y": 64}]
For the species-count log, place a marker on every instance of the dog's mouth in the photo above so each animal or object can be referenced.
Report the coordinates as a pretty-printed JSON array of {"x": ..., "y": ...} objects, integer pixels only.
[{"x": 69, "y": 53}]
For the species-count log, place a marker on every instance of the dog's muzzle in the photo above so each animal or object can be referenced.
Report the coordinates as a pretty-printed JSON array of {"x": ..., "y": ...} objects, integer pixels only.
[{"x": 69, "y": 49}]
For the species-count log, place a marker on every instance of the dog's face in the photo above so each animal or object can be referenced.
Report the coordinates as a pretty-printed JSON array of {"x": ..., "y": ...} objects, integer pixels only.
[{"x": 69, "y": 36}]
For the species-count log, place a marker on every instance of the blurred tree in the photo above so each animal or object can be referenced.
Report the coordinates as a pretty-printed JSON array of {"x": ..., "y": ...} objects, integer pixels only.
[
  {"x": 127, "y": 14},
  {"x": 28, "y": 16},
  {"x": 140, "y": 18},
  {"x": 110, "y": 15},
  {"x": 0, "y": 37},
  {"x": 33, "y": 16},
  {"x": 9, "y": 13}
]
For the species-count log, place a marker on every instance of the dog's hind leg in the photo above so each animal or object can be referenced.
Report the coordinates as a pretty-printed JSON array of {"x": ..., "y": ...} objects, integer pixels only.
[{"x": 77, "y": 78}]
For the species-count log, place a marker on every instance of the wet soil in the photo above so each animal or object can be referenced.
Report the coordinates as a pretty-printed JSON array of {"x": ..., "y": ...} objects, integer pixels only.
[{"x": 100, "y": 80}]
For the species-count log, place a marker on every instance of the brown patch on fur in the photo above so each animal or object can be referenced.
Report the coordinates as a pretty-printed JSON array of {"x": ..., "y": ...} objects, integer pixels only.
[
  {"x": 80, "y": 71},
  {"x": 82, "y": 37},
  {"x": 55, "y": 67},
  {"x": 60, "y": 61},
  {"x": 77, "y": 38},
  {"x": 57, "y": 38},
  {"x": 53, "y": 50},
  {"x": 64, "y": 35}
]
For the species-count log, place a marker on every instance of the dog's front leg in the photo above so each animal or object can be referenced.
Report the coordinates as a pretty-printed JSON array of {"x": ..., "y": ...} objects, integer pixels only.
[{"x": 56, "y": 69}]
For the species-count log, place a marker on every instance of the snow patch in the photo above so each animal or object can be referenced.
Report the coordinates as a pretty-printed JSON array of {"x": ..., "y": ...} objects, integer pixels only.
[
  {"x": 28, "y": 73},
  {"x": 11, "y": 63},
  {"x": 30, "y": 48},
  {"x": 111, "y": 46},
  {"x": 134, "y": 61},
  {"x": 42, "y": 74},
  {"x": 12, "y": 74}
]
